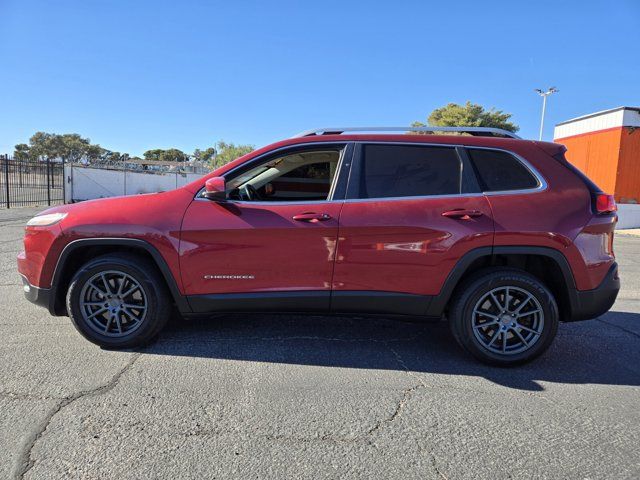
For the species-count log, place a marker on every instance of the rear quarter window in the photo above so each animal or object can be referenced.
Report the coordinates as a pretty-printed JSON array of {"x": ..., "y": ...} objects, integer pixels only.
[{"x": 500, "y": 171}]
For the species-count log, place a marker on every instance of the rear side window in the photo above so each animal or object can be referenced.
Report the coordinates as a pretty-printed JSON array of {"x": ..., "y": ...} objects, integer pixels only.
[
  {"x": 409, "y": 171},
  {"x": 500, "y": 171}
]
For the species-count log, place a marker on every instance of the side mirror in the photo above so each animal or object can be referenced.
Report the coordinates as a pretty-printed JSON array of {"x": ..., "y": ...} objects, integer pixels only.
[{"x": 215, "y": 189}]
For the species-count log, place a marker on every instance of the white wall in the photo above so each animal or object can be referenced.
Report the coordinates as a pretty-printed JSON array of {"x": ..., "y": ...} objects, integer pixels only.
[
  {"x": 89, "y": 183},
  {"x": 628, "y": 215}
]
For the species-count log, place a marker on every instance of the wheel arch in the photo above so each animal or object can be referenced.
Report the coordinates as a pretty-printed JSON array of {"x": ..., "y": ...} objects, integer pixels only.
[
  {"x": 78, "y": 252},
  {"x": 547, "y": 264}
]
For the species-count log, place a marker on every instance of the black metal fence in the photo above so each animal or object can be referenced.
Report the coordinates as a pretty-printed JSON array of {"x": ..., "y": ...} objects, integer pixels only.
[{"x": 30, "y": 182}]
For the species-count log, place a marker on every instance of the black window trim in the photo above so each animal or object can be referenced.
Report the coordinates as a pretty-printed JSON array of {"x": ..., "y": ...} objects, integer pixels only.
[
  {"x": 469, "y": 176},
  {"x": 338, "y": 187},
  {"x": 463, "y": 155}
]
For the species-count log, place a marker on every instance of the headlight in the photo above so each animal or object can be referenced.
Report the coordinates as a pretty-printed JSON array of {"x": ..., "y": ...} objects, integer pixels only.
[{"x": 46, "y": 220}]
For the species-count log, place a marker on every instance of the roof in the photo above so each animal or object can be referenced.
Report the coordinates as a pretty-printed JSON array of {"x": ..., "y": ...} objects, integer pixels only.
[
  {"x": 612, "y": 118},
  {"x": 596, "y": 114}
]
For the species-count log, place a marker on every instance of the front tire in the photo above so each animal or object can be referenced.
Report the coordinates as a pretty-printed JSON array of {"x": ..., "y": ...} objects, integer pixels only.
[
  {"x": 504, "y": 317},
  {"x": 117, "y": 301}
]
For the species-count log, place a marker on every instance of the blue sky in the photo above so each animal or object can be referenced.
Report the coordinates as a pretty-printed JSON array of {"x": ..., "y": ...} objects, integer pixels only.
[{"x": 133, "y": 75}]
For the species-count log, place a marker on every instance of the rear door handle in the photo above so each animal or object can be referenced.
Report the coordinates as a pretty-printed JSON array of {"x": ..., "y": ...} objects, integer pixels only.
[
  {"x": 311, "y": 217},
  {"x": 462, "y": 214}
]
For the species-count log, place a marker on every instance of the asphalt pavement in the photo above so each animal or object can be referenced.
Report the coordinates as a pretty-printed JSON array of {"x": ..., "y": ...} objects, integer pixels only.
[{"x": 272, "y": 396}]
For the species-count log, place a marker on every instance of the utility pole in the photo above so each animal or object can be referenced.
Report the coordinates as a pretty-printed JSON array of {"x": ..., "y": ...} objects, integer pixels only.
[{"x": 544, "y": 96}]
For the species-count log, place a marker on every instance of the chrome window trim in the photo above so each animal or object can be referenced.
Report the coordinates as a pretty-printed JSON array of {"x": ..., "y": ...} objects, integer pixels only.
[
  {"x": 542, "y": 183},
  {"x": 282, "y": 204},
  {"x": 414, "y": 197},
  {"x": 198, "y": 196}
]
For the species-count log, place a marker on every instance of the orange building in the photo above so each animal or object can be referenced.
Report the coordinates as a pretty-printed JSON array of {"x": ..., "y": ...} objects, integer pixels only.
[{"x": 606, "y": 147}]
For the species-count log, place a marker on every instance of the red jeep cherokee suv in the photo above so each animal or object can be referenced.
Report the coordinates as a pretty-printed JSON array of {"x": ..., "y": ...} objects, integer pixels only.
[{"x": 501, "y": 235}]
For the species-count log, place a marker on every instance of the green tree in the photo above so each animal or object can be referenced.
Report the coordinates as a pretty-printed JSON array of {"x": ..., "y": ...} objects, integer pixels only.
[
  {"x": 153, "y": 154},
  {"x": 227, "y": 152},
  {"x": 204, "y": 155},
  {"x": 44, "y": 145},
  {"x": 70, "y": 147},
  {"x": 469, "y": 115},
  {"x": 168, "y": 155},
  {"x": 21, "y": 152},
  {"x": 175, "y": 155}
]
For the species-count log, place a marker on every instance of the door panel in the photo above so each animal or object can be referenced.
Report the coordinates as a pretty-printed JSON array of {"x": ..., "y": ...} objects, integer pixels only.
[
  {"x": 407, "y": 245},
  {"x": 258, "y": 247}
]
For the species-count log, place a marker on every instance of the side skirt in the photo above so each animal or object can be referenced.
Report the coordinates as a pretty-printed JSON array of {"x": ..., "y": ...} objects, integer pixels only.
[
  {"x": 349, "y": 302},
  {"x": 298, "y": 301},
  {"x": 392, "y": 303}
]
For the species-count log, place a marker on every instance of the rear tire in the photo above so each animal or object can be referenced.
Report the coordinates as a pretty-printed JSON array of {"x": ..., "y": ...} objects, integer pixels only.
[
  {"x": 118, "y": 301},
  {"x": 504, "y": 316}
]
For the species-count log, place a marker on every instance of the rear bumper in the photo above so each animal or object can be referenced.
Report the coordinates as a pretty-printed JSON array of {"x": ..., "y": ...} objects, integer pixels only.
[
  {"x": 586, "y": 304},
  {"x": 39, "y": 296}
]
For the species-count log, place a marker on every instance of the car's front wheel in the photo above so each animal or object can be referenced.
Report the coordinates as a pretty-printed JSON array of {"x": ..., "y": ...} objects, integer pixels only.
[
  {"x": 504, "y": 316},
  {"x": 117, "y": 301}
]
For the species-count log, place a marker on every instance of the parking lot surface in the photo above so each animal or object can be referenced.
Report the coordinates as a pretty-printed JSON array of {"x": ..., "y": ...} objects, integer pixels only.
[{"x": 271, "y": 396}]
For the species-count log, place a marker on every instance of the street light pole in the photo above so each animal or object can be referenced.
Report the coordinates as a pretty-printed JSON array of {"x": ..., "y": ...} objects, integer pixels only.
[{"x": 544, "y": 96}]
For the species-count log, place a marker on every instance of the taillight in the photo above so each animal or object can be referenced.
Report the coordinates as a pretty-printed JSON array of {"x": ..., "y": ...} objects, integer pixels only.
[{"x": 605, "y": 203}]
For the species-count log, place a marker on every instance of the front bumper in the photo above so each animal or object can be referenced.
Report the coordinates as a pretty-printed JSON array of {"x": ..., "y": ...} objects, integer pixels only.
[
  {"x": 586, "y": 304},
  {"x": 39, "y": 296}
]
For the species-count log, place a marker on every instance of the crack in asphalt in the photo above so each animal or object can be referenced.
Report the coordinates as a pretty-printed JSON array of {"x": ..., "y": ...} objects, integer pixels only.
[
  {"x": 397, "y": 412},
  {"x": 25, "y": 396},
  {"x": 25, "y": 462},
  {"x": 37, "y": 324},
  {"x": 2, "y": 242},
  {"x": 407, "y": 394},
  {"x": 3, "y": 224},
  {"x": 630, "y": 332},
  {"x": 434, "y": 464}
]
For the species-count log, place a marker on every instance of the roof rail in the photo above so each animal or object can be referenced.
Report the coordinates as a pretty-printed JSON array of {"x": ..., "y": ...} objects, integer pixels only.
[{"x": 474, "y": 131}]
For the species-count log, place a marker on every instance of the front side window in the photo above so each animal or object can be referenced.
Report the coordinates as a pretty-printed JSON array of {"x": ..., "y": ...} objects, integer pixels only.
[
  {"x": 409, "y": 171},
  {"x": 500, "y": 171},
  {"x": 298, "y": 176}
]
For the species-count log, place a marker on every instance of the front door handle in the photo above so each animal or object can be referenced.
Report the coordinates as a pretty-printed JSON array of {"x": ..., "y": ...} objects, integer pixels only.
[
  {"x": 311, "y": 217},
  {"x": 462, "y": 214}
]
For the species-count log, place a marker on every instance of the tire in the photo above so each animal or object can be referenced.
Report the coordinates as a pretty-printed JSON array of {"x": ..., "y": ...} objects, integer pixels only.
[
  {"x": 498, "y": 334},
  {"x": 138, "y": 308}
]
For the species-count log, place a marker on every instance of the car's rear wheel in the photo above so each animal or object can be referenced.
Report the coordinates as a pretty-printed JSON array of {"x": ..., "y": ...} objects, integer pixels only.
[
  {"x": 117, "y": 301},
  {"x": 504, "y": 316}
]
